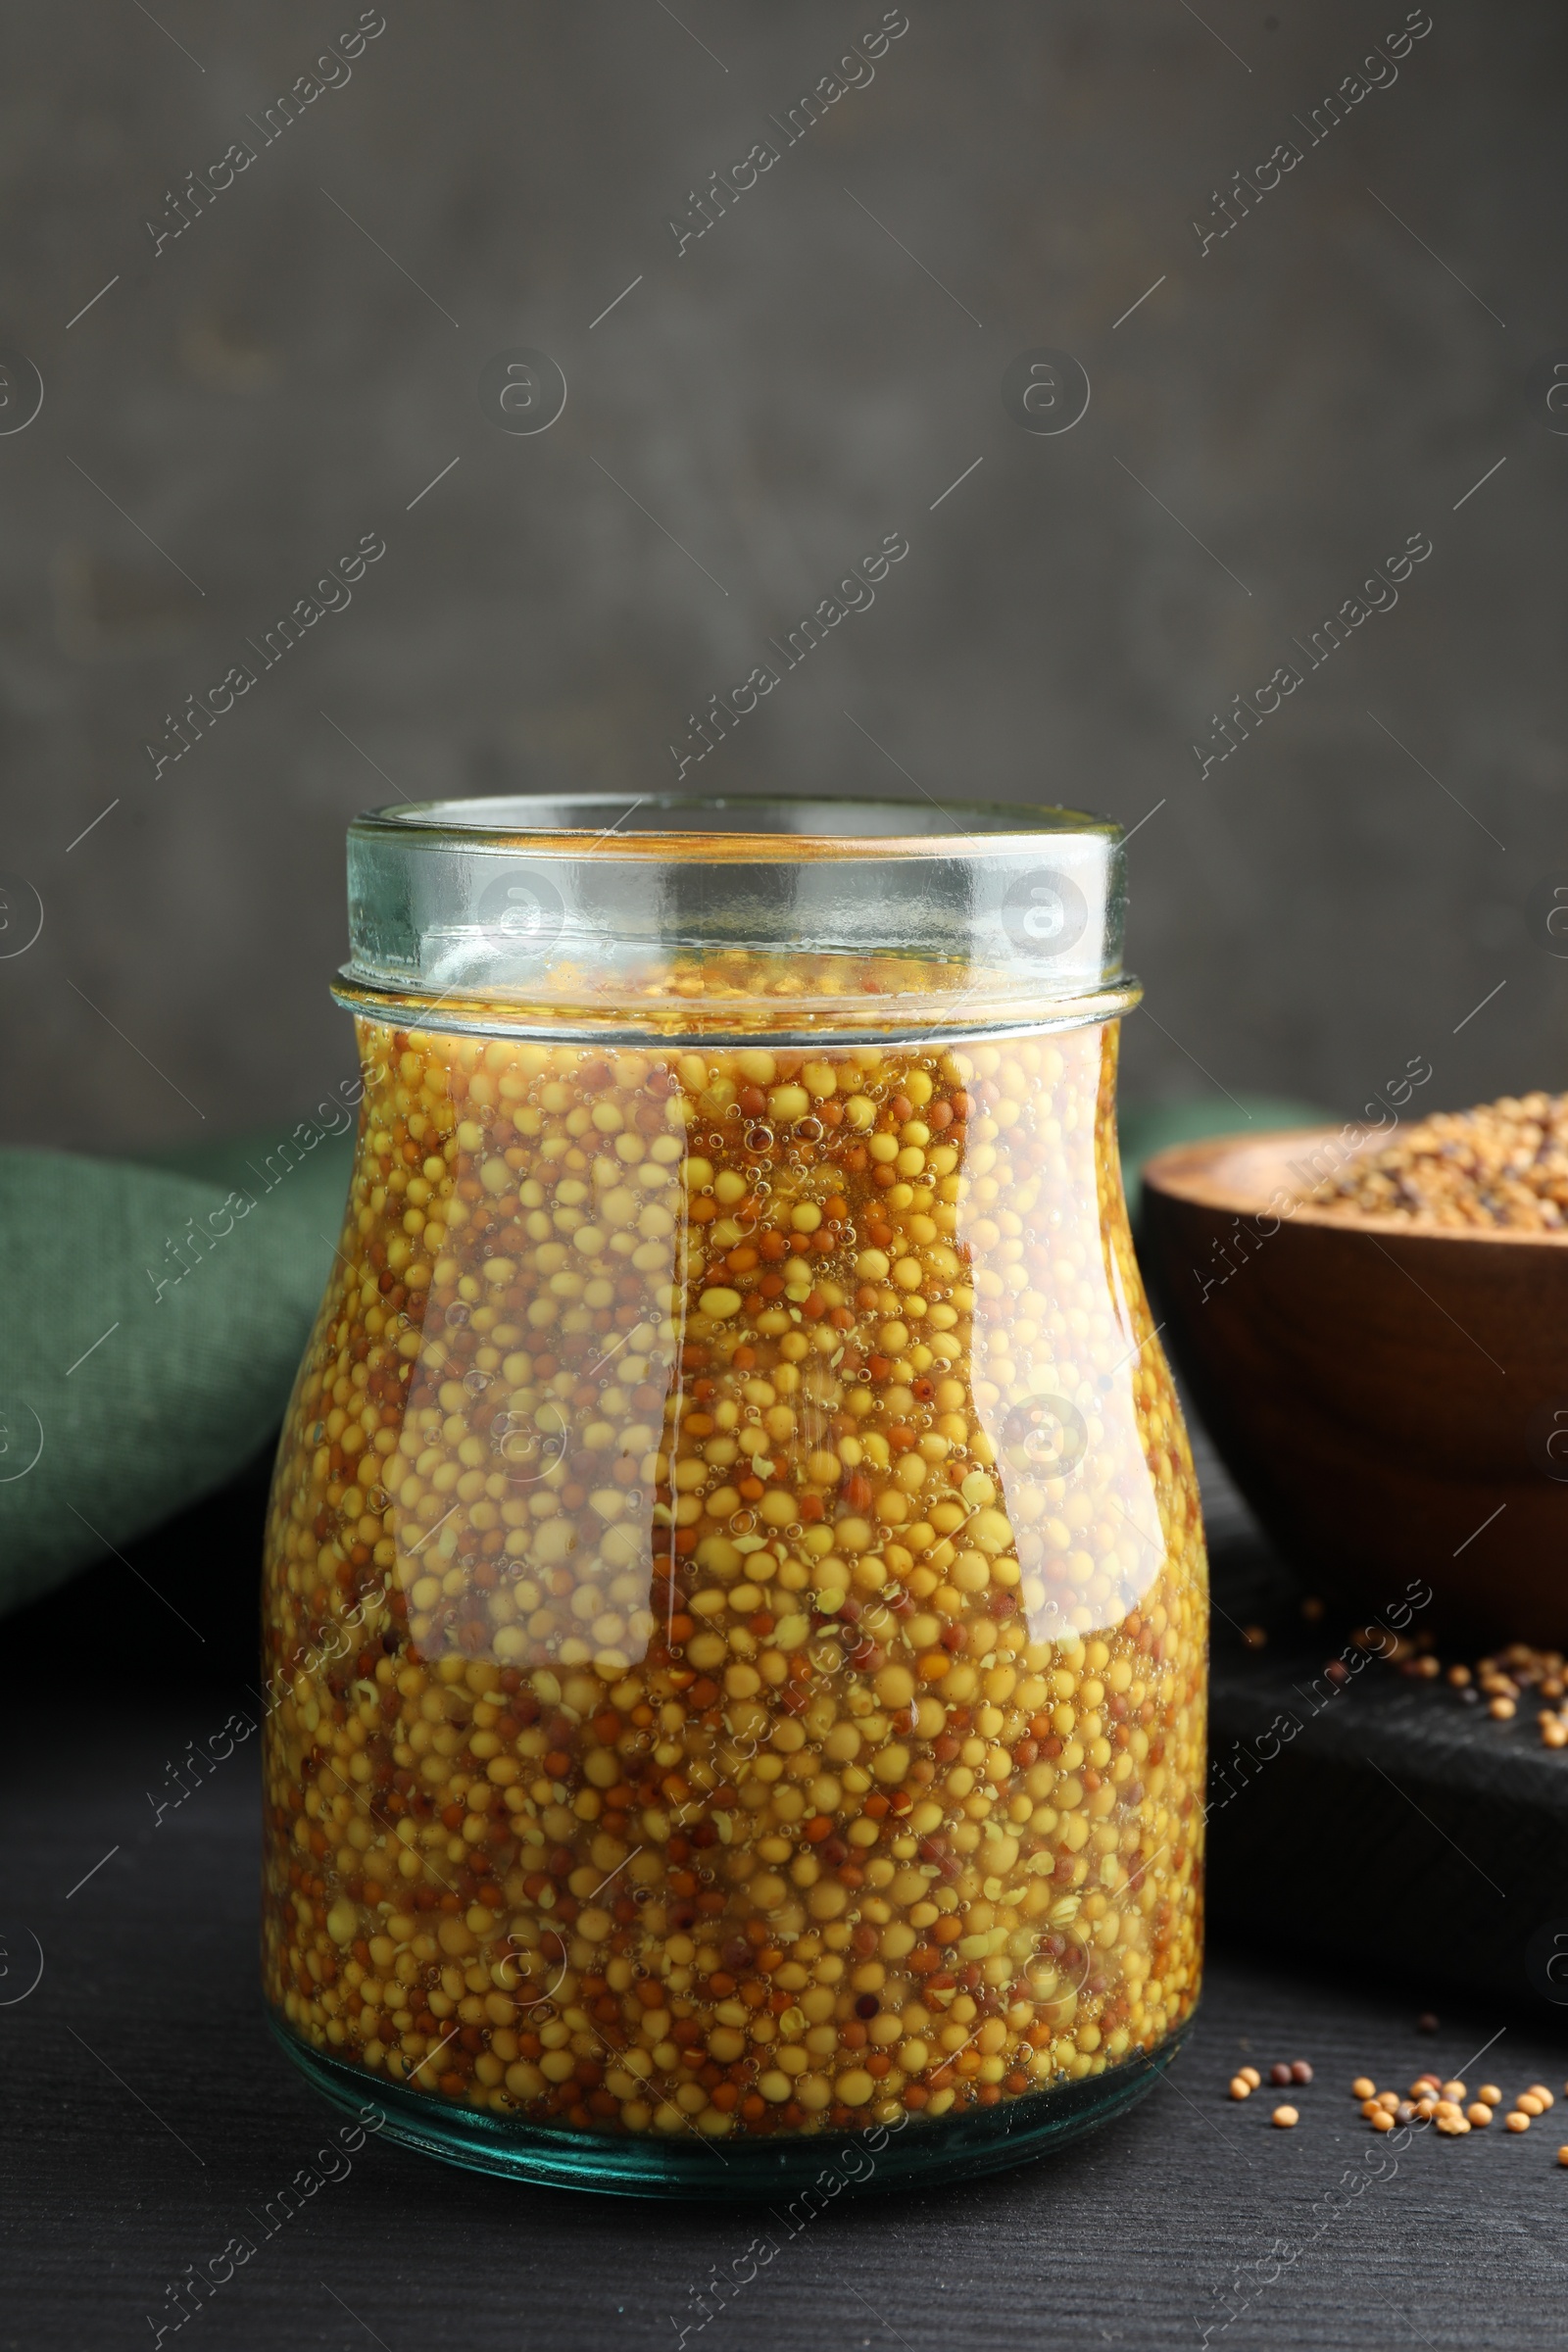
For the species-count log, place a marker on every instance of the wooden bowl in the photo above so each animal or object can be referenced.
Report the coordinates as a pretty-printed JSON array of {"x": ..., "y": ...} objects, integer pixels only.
[{"x": 1391, "y": 1399}]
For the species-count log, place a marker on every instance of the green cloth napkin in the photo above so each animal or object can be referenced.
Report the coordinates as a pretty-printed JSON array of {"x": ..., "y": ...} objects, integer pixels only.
[
  {"x": 158, "y": 1313},
  {"x": 1151, "y": 1127}
]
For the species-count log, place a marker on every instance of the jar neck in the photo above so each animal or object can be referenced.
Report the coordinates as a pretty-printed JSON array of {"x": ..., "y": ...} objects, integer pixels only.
[{"x": 951, "y": 1015}]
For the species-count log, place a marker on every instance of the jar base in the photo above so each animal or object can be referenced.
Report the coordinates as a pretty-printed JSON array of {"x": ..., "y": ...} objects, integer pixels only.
[{"x": 987, "y": 2139}]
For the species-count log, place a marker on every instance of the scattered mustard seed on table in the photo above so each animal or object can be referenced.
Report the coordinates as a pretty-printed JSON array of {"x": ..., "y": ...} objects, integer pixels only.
[
  {"x": 1495, "y": 1685},
  {"x": 1441, "y": 2104}
]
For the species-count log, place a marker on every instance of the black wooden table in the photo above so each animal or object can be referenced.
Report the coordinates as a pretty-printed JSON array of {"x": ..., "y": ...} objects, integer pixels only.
[{"x": 149, "y": 2120}]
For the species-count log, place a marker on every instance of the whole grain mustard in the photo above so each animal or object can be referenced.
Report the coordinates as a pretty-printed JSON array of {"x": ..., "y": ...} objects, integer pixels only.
[{"x": 735, "y": 1591}]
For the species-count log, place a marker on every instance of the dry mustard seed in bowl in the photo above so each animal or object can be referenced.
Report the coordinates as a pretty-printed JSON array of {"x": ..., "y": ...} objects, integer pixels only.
[
  {"x": 1504, "y": 1163},
  {"x": 1383, "y": 1369},
  {"x": 735, "y": 1600}
]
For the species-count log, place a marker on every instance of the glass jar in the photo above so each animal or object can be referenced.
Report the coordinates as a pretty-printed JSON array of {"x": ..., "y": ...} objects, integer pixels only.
[{"x": 735, "y": 1591}]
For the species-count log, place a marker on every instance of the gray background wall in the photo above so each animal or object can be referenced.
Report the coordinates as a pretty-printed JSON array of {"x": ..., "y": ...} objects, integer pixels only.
[{"x": 1303, "y": 395}]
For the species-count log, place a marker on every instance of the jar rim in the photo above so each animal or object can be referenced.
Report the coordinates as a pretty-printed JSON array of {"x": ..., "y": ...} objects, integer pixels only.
[
  {"x": 620, "y": 911},
  {"x": 580, "y": 824}
]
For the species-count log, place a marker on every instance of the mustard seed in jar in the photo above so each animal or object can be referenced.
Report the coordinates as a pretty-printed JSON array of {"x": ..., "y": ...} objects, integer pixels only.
[{"x": 735, "y": 1581}]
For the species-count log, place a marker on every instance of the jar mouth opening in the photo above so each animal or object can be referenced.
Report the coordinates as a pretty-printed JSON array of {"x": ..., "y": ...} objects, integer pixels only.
[{"x": 721, "y": 827}]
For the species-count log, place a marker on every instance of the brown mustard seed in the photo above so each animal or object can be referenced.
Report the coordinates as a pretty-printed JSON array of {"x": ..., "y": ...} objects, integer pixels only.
[
  {"x": 1427, "y": 2022},
  {"x": 1280, "y": 2076},
  {"x": 1286, "y": 2118},
  {"x": 1301, "y": 2072}
]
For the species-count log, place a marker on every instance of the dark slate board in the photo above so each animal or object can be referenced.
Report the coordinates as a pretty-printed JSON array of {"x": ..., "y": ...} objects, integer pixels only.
[{"x": 1382, "y": 1821}]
